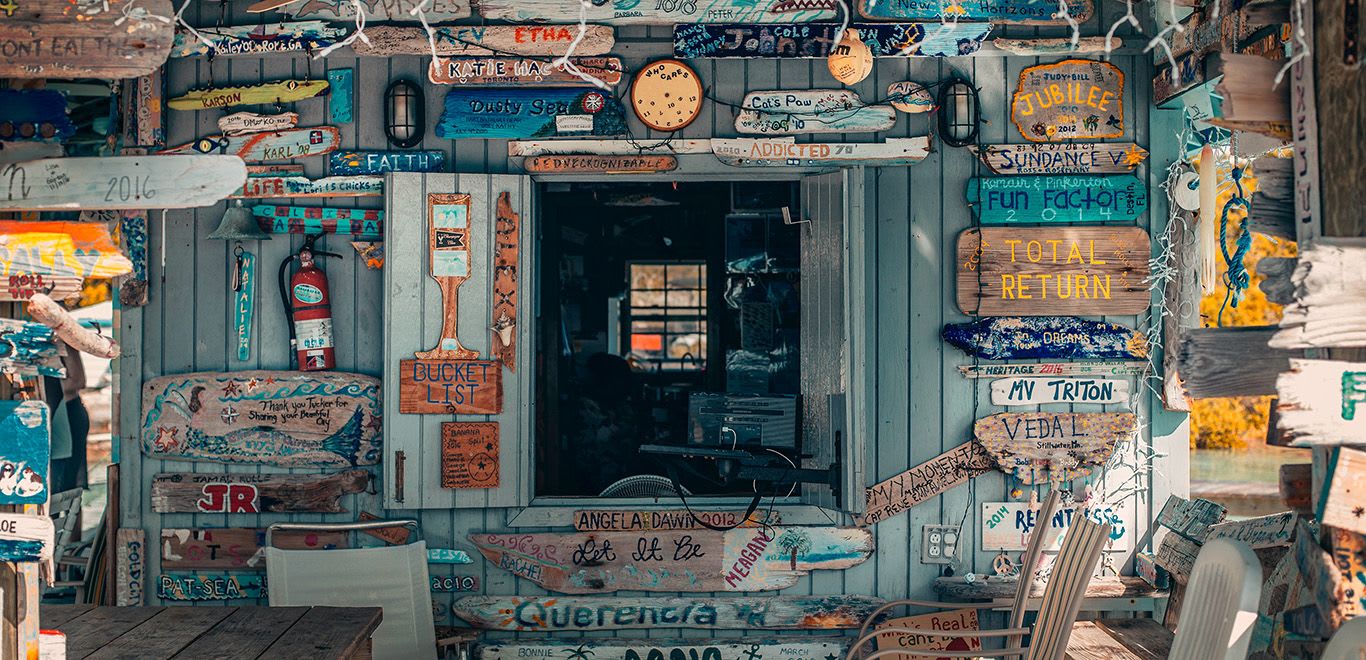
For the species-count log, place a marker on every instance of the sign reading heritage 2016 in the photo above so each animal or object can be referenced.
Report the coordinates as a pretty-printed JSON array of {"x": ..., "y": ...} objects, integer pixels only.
[{"x": 1069, "y": 100}]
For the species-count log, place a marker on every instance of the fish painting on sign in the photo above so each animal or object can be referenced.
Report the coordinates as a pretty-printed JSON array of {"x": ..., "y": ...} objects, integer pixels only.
[
  {"x": 278, "y": 145},
  {"x": 1046, "y": 338},
  {"x": 1069, "y": 100},
  {"x": 282, "y": 91},
  {"x": 529, "y": 113},
  {"x": 25, "y": 453},
  {"x": 811, "y": 111}
]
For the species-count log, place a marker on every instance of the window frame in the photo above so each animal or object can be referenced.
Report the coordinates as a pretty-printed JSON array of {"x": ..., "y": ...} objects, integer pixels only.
[{"x": 628, "y": 316}]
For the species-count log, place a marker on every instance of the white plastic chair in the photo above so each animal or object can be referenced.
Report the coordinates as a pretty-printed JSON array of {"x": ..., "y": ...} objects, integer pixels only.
[
  {"x": 1349, "y": 642},
  {"x": 392, "y": 577},
  {"x": 1220, "y": 606}
]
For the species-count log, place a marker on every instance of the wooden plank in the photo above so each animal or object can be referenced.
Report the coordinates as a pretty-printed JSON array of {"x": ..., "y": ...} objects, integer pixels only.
[
  {"x": 1057, "y": 45},
  {"x": 1177, "y": 555},
  {"x": 327, "y": 632},
  {"x": 25, "y": 538},
  {"x": 54, "y": 39},
  {"x": 902, "y": 492},
  {"x": 599, "y": 164},
  {"x": 1061, "y": 158},
  {"x": 1305, "y": 131},
  {"x": 245, "y": 633},
  {"x": 746, "y": 648},
  {"x": 26, "y": 452},
  {"x": 55, "y": 616},
  {"x": 14, "y": 152},
  {"x": 1145, "y": 638},
  {"x": 235, "y": 548},
  {"x": 1003, "y": 200},
  {"x": 705, "y": 11},
  {"x": 1349, "y": 557},
  {"x": 35, "y": 350},
  {"x": 703, "y": 560},
  {"x": 22, "y": 286},
  {"x": 141, "y": 104},
  {"x": 956, "y": 589},
  {"x": 506, "y": 257},
  {"x": 626, "y": 520},
  {"x": 1322, "y": 402},
  {"x": 287, "y": 418},
  {"x": 284, "y": 144},
  {"x": 954, "y": 620},
  {"x": 1038, "y": 391},
  {"x": 1006, "y": 526},
  {"x": 163, "y": 635},
  {"x": 280, "y": 219},
  {"x": 257, "y": 40},
  {"x": 800, "y": 112},
  {"x": 469, "y": 455},
  {"x": 1247, "y": 97},
  {"x": 581, "y": 614},
  {"x": 254, "y": 493},
  {"x": 449, "y": 243},
  {"x": 347, "y": 163},
  {"x": 815, "y": 40},
  {"x": 120, "y": 182},
  {"x": 448, "y": 556},
  {"x": 515, "y": 71},
  {"x": 1028, "y": 444},
  {"x": 1145, "y": 566},
  {"x": 395, "y": 11},
  {"x": 102, "y": 625},
  {"x": 529, "y": 112},
  {"x": 1327, "y": 590},
  {"x": 1217, "y": 362},
  {"x": 1090, "y": 642},
  {"x": 1071, "y": 99},
  {"x": 530, "y": 148},
  {"x": 204, "y": 587},
  {"x": 34, "y": 114},
  {"x": 133, "y": 240},
  {"x": 1274, "y": 531},
  {"x": 277, "y": 187},
  {"x": 1342, "y": 502},
  {"x": 1019, "y": 12},
  {"x": 339, "y": 106},
  {"x": 1330, "y": 300},
  {"x": 131, "y": 567},
  {"x": 893, "y": 152},
  {"x": 279, "y": 91},
  {"x": 1045, "y": 337},
  {"x": 1190, "y": 518},
  {"x": 396, "y": 534},
  {"x": 1296, "y": 486},
  {"x": 457, "y": 387},
  {"x": 467, "y": 40},
  {"x": 1094, "y": 369}
]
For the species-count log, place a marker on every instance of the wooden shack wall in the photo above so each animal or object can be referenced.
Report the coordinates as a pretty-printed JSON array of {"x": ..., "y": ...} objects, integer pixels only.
[{"x": 921, "y": 405}]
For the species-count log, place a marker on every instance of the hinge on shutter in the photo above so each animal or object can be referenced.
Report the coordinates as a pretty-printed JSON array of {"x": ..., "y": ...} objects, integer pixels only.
[{"x": 399, "y": 457}]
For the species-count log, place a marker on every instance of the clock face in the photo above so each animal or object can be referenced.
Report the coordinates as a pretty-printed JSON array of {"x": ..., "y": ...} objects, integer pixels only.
[{"x": 666, "y": 95}]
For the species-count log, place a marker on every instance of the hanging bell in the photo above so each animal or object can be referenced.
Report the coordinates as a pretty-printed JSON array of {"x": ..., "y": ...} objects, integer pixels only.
[{"x": 239, "y": 224}]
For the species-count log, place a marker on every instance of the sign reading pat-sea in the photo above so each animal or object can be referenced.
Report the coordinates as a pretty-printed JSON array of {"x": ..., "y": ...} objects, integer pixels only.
[{"x": 1069, "y": 100}]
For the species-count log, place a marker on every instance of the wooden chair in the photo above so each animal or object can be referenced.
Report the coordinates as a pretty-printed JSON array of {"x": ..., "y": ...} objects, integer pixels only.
[
  {"x": 1220, "y": 606},
  {"x": 1072, "y": 571},
  {"x": 67, "y": 546}
]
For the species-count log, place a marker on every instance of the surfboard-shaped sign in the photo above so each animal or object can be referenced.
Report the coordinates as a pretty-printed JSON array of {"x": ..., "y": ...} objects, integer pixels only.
[
  {"x": 815, "y": 40},
  {"x": 1069, "y": 100},
  {"x": 347, "y": 163},
  {"x": 529, "y": 112},
  {"x": 243, "y": 123},
  {"x": 752, "y": 152},
  {"x": 286, "y": 418},
  {"x": 382, "y": 11},
  {"x": 257, "y": 40},
  {"x": 1020, "y": 12},
  {"x": 26, "y": 452},
  {"x": 361, "y": 223},
  {"x": 1006, "y": 200},
  {"x": 64, "y": 39},
  {"x": 560, "y": 614},
  {"x": 285, "y": 144},
  {"x": 34, "y": 114},
  {"x": 271, "y": 186},
  {"x": 280, "y": 91},
  {"x": 1046, "y": 338},
  {"x": 119, "y": 182},
  {"x": 811, "y": 111},
  {"x": 501, "y": 40},
  {"x": 662, "y": 13},
  {"x": 1062, "y": 157},
  {"x": 517, "y": 71},
  {"x": 1040, "y": 447},
  {"x": 1038, "y": 391}
]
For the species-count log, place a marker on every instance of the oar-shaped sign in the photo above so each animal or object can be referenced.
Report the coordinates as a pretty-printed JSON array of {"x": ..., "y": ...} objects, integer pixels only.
[{"x": 448, "y": 245}]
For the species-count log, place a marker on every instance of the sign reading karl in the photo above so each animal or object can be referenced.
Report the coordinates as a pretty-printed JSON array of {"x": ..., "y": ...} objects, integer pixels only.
[{"x": 1069, "y": 100}]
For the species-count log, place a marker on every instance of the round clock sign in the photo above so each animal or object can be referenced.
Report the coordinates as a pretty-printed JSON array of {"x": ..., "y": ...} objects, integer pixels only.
[{"x": 666, "y": 95}]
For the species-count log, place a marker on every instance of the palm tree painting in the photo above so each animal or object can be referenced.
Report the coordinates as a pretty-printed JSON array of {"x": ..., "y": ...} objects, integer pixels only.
[{"x": 794, "y": 541}]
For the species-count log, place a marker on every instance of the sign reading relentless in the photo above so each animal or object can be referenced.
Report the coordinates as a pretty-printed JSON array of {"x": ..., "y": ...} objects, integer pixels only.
[
  {"x": 1007, "y": 525},
  {"x": 1006, "y": 200},
  {"x": 1046, "y": 271},
  {"x": 1044, "y": 447},
  {"x": 900, "y": 493},
  {"x": 1069, "y": 100},
  {"x": 469, "y": 455}
]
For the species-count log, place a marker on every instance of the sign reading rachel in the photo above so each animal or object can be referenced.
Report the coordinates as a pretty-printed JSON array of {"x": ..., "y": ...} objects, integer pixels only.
[{"x": 1068, "y": 100}]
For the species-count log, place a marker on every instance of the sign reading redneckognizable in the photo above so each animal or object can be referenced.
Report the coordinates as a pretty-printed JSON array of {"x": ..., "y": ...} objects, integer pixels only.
[{"x": 1069, "y": 100}]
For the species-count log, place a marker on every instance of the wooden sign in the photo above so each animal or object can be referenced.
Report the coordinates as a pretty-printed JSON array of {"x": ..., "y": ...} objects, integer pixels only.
[
  {"x": 623, "y": 147},
  {"x": 240, "y": 586},
  {"x": 469, "y": 455},
  {"x": 1177, "y": 556},
  {"x": 621, "y": 520},
  {"x": 347, "y": 163},
  {"x": 280, "y": 91},
  {"x": 280, "y": 186},
  {"x": 236, "y": 548},
  {"x": 22, "y": 286},
  {"x": 1145, "y": 567},
  {"x": 340, "y": 105},
  {"x": 244, "y": 123},
  {"x": 811, "y": 111},
  {"x": 448, "y": 248},
  {"x": 1274, "y": 531},
  {"x": 1042, "y": 447},
  {"x": 516, "y": 71},
  {"x": 503, "y": 312},
  {"x": 448, "y": 556},
  {"x": 1349, "y": 556},
  {"x": 1056, "y": 45},
  {"x": 455, "y": 583},
  {"x": 83, "y": 249},
  {"x": 1322, "y": 402},
  {"x": 276, "y": 219},
  {"x": 814, "y": 40},
  {"x": 205, "y": 492},
  {"x": 910, "y": 97},
  {"x": 26, "y": 537},
  {"x": 141, "y": 107},
  {"x": 922, "y": 482},
  {"x": 892, "y": 152},
  {"x": 666, "y": 95},
  {"x": 744, "y": 648},
  {"x": 381, "y": 11},
  {"x": 504, "y": 40},
  {"x": 130, "y": 567},
  {"x": 70, "y": 330},
  {"x": 582, "y": 614},
  {"x": 1327, "y": 590},
  {"x": 61, "y": 39},
  {"x": 1007, "y": 525},
  {"x": 661, "y": 13},
  {"x": 1330, "y": 300},
  {"x": 119, "y": 182},
  {"x": 1231, "y": 361},
  {"x": 32, "y": 350},
  {"x": 25, "y": 452},
  {"x": 284, "y": 144},
  {"x": 1046, "y": 271},
  {"x": 14, "y": 152},
  {"x": 1062, "y": 158},
  {"x": 951, "y": 620},
  {"x": 1019, "y": 12},
  {"x": 1038, "y": 391},
  {"x": 396, "y": 534},
  {"x": 34, "y": 114},
  {"x": 257, "y": 40},
  {"x": 1342, "y": 497},
  {"x": 1069, "y": 100},
  {"x": 455, "y": 387},
  {"x": 1045, "y": 338},
  {"x": 762, "y": 559},
  {"x": 286, "y": 418},
  {"x": 529, "y": 112},
  {"x": 1192, "y": 519},
  {"x": 600, "y": 164},
  {"x": 1296, "y": 484}
]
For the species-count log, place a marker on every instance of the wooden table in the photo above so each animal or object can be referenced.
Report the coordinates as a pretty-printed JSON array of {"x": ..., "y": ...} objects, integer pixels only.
[
  {"x": 1119, "y": 639},
  {"x": 220, "y": 633}
]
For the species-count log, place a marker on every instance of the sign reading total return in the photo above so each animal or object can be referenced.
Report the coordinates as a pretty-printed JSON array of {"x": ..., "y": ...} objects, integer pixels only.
[{"x": 1045, "y": 271}]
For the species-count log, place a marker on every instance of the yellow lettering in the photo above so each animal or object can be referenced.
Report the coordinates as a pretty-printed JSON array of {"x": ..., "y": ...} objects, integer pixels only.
[
  {"x": 1054, "y": 242},
  {"x": 1091, "y": 96},
  {"x": 1075, "y": 252},
  {"x": 1056, "y": 93},
  {"x": 1105, "y": 98},
  {"x": 1094, "y": 260},
  {"x": 1007, "y": 286},
  {"x": 1012, "y": 244},
  {"x": 1101, "y": 293},
  {"x": 1028, "y": 103},
  {"x": 1029, "y": 251},
  {"x": 1061, "y": 293},
  {"x": 1081, "y": 286},
  {"x": 1043, "y": 283},
  {"x": 1023, "y": 294}
]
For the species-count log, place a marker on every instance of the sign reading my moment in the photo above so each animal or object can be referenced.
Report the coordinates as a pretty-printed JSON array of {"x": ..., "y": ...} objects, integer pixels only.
[
  {"x": 1069, "y": 100},
  {"x": 1046, "y": 271}
]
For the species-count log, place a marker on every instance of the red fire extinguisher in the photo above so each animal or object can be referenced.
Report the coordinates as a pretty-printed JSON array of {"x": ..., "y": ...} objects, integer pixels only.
[{"x": 309, "y": 308}]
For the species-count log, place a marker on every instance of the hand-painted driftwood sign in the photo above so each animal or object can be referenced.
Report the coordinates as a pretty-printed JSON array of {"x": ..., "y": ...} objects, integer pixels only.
[
  {"x": 243, "y": 123},
  {"x": 814, "y": 40},
  {"x": 339, "y": 82},
  {"x": 893, "y": 152},
  {"x": 25, "y": 537},
  {"x": 204, "y": 492},
  {"x": 448, "y": 250},
  {"x": 1046, "y": 337},
  {"x": 264, "y": 147},
  {"x": 130, "y": 567},
  {"x": 381, "y": 11},
  {"x": 1045, "y": 271},
  {"x": 119, "y": 182},
  {"x": 286, "y": 418},
  {"x": 346, "y": 163},
  {"x": 1007, "y": 525},
  {"x": 1024, "y": 12},
  {"x": 600, "y": 164},
  {"x": 456, "y": 387},
  {"x": 503, "y": 312},
  {"x": 22, "y": 286},
  {"x": 290, "y": 185},
  {"x": 910, "y": 97},
  {"x": 1330, "y": 300},
  {"x": 811, "y": 111},
  {"x": 1093, "y": 369},
  {"x": 1037, "y": 391},
  {"x": 947, "y": 470},
  {"x": 1055, "y": 45},
  {"x": 529, "y": 112},
  {"x": 1062, "y": 158},
  {"x": 469, "y": 455},
  {"x": 503, "y": 40},
  {"x": 1069, "y": 100},
  {"x": 34, "y": 114},
  {"x": 1322, "y": 402},
  {"x": 746, "y": 648},
  {"x": 276, "y": 219},
  {"x": 581, "y": 614},
  {"x": 455, "y": 583},
  {"x": 448, "y": 556},
  {"x": 66, "y": 39},
  {"x": 760, "y": 559},
  {"x": 952, "y": 620},
  {"x": 241, "y": 586},
  {"x": 84, "y": 249},
  {"x": 621, "y": 520},
  {"x": 625, "y": 147},
  {"x": 661, "y": 13},
  {"x": 14, "y": 152},
  {"x": 1006, "y": 200},
  {"x": 31, "y": 350},
  {"x": 235, "y": 548},
  {"x": 281, "y": 91},
  {"x": 1042, "y": 447},
  {"x": 516, "y": 71},
  {"x": 25, "y": 453},
  {"x": 1274, "y": 531},
  {"x": 1342, "y": 495},
  {"x": 257, "y": 40}
]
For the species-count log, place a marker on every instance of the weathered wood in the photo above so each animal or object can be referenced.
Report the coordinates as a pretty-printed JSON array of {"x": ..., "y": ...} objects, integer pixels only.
[
  {"x": 235, "y": 548},
  {"x": 22, "y": 286},
  {"x": 1038, "y": 391},
  {"x": 348, "y": 163},
  {"x": 991, "y": 587},
  {"x": 1348, "y": 548},
  {"x": 456, "y": 387},
  {"x": 455, "y": 583},
  {"x": 284, "y": 144},
  {"x": 666, "y": 95},
  {"x": 33, "y": 350},
  {"x": 141, "y": 106},
  {"x": 469, "y": 455},
  {"x": 1045, "y": 337},
  {"x": 34, "y": 114},
  {"x": 120, "y": 182},
  {"x": 529, "y": 112},
  {"x": 46, "y": 311},
  {"x": 1093, "y": 369},
  {"x": 1046, "y": 271},
  {"x": 1190, "y": 518},
  {"x": 529, "y": 148},
  {"x": 1002, "y": 200},
  {"x": 1062, "y": 158},
  {"x": 1177, "y": 555},
  {"x": 1042, "y": 447},
  {"x": 1021, "y": 12},
  {"x": 1008, "y": 525},
  {"x": 1296, "y": 485},
  {"x": 280, "y": 91},
  {"x": 244, "y": 123},
  {"x": 1342, "y": 503},
  {"x": 257, "y": 40},
  {"x": 16, "y": 152},
  {"x": 1330, "y": 300},
  {"x": 56, "y": 39},
  {"x": 449, "y": 243},
  {"x": 24, "y": 456},
  {"x": 288, "y": 418},
  {"x": 1318, "y": 403},
  {"x": 506, "y": 256},
  {"x": 131, "y": 567},
  {"x": 283, "y": 186},
  {"x": 746, "y": 648},
  {"x": 1276, "y": 284},
  {"x": 1056, "y": 45},
  {"x": 806, "y": 111},
  {"x": 280, "y": 219},
  {"x": 467, "y": 40},
  {"x": 761, "y": 559},
  {"x": 1145, "y": 566},
  {"x": 624, "y": 520},
  {"x": 1327, "y": 590},
  {"x": 703, "y": 11},
  {"x": 581, "y": 614},
  {"x": 599, "y": 164},
  {"x": 892, "y": 152},
  {"x": 339, "y": 107},
  {"x": 202, "y": 587},
  {"x": 1246, "y": 96},
  {"x": 1274, "y": 531},
  {"x": 953, "y": 620},
  {"x": 1071, "y": 99},
  {"x": 1307, "y": 213},
  {"x": 371, "y": 251},
  {"x": 910, "y": 97},
  {"x": 396, "y": 534},
  {"x": 1217, "y": 362},
  {"x": 815, "y": 40},
  {"x": 447, "y": 556},
  {"x": 133, "y": 239},
  {"x": 898, "y": 494},
  {"x": 395, "y": 11},
  {"x": 25, "y": 538},
  {"x": 515, "y": 71}
]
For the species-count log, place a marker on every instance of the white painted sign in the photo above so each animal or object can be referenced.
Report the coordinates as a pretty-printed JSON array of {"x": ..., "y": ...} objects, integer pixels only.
[
  {"x": 1034, "y": 391},
  {"x": 1322, "y": 402},
  {"x": 1006, "y": 526}
]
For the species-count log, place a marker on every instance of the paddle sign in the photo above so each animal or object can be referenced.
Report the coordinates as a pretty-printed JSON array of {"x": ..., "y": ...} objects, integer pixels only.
[
  {"x": 119, "y": 182},
  {"x": 1069, "y": 100},
  {"x": 1046, "y": 337},
  {"x": 448, "y": 250},
  {"x": 1052, "y": 448}
]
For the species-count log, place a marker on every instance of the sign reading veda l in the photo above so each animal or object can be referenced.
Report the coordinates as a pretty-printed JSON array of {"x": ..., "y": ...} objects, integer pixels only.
[
  {"x": 951, "y": 468},
  {"x": 1039, "y": 447},
  {"x": 1046, "y": 337},
  {"x": 1061, "y": 157},
  {"x": 1004, "y": 200},
  {"x": 811, "y": 111},
  {"x": 577, "y": 614},
  {"x": 63, "y": 39},
  {"x": 205, "y": 492},
  {"x": 1069, "y": 100}
]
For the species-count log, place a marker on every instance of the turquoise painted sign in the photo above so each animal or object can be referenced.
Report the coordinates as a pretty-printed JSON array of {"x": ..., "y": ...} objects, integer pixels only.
[
  {"x": 244, "y": 286},
  {"x": 298, "y": 36},
  {"x": 813, "y": 40},
  {"x": 1024, "y": 12},
  {"x": 379, "y": 162},
  {"x": 34, "y": 114},
  {"x": 360, "y": 223},
  {"x": 1046, "y": 337},
  {"x": 339, "y": 103},
  {"x": 529, "y": 113},
  {"x": 1008, "y": 200},
  {"x": 25, "y": 452}
]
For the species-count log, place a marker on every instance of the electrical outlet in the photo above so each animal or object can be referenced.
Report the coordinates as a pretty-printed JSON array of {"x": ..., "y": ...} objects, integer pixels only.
[{"x": 938, "y": 544}]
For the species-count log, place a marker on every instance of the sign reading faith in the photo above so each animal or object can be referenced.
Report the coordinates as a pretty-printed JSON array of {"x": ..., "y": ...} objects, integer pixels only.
[
  {"x": 25, "y": 453},
  {"x": 661, "y": 13},
  {"x": 282, "y": 91},
  {"x": 578, "y": 614},
  {"x": 514, "y": 71},
  {"x": 1069, "y": 100},
  {"x": 947, "y": 470},
  {"x": 811, "y": 111},
  {"x": 283, "y": 144},
  {"x": 381, "y": 11},
  {"x": 794, "y": 647},
  {"x": 456, "y": 387},
  {"x": 63, "y": 39},
  {"x": 529, "y": 112},
  {"x": 1036, "y": 391},
  {"x": 1322, "y": 402},
  {"x": 1045, "y": 271},
  {"x": 747, "y": 152},
  {"x": 119, "y": 182},
  {"x": 965, "y": 619},
  {"x": 284, "y": 37},
  {"x": 469, "y": 455},
  {"x": 1062, "y": 158},
  {"x": 287, "y": 418},
  {"x": 814, "y": 40},
  {"x": 1046, "y": 337},
  {"x": 347, "y": 163},
  {"x": 1040, "y": 447},
  {"x": 1006, "y": 200},
  {"x": 1007, "y": 525},
  {"x": 621, "y": 520},
  {"x": 759, "y": 559},
  {"x": 504, "y": 40},
  {"x": 205, "y": 492},
  {"x": 1023, "y": 12}
]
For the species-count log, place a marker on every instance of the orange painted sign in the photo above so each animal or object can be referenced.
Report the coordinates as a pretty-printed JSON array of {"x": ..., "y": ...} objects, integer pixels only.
[{"x": 83, "y": 249}]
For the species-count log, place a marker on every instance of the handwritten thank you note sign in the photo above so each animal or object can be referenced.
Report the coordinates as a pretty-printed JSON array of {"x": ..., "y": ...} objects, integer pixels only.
[
  {"x": 469, "y": 455},
  {"x": 1069, "y": 100}
]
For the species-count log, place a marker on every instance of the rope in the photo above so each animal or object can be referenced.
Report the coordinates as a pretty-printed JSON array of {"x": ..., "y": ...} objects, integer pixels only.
[{"x": 1236, "y": 278}]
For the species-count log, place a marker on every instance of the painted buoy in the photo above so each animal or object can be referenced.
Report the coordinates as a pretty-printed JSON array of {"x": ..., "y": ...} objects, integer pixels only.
[{"x": 850, "y": 60}]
